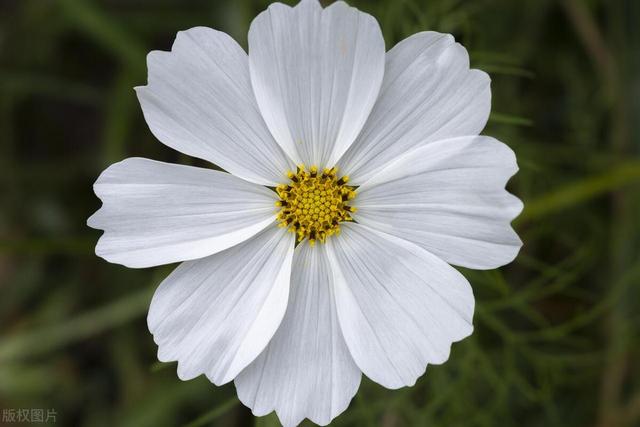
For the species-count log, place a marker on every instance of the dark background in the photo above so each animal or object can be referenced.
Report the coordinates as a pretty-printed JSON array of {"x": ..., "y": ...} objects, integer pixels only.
[{"x": 556, "y": 339}]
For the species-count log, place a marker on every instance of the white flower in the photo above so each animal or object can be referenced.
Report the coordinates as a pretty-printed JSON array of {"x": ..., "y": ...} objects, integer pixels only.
[{"x": 296, "y": 325}]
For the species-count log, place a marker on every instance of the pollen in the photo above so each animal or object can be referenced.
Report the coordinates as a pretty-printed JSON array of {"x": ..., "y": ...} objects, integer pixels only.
[{"x": 314, "y": 203}]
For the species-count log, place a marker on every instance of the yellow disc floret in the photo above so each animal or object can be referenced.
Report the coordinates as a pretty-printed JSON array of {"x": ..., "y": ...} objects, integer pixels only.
[{"x": 314, "y": 203}]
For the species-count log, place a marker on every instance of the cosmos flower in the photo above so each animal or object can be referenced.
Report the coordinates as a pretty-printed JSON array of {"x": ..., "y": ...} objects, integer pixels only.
[{"x": 353, "y": 178}]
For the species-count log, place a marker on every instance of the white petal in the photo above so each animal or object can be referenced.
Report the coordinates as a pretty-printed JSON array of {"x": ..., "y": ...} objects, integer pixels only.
[
  {"x": 449, "y": 198},
  {"x": 157, "y": 213},
  {"x": 215, "y": 315},
  {"x": 199, "y": 101},
  {"x": 316, "y": 75},
  {"x": 306, "y": 371},
  {"x": 399, "y": 306},
  {"x": 428, "y": 93}
]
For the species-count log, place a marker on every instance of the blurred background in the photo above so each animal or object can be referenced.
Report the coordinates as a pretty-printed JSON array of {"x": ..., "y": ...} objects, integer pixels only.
[{"x": 556, "y": 339}]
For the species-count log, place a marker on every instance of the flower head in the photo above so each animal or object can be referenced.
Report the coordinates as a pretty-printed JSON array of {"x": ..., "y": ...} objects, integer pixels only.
[{"x": 354, "y": 178}]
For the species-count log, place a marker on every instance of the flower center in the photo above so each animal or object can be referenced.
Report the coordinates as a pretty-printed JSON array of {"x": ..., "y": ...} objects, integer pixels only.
[{"x": 313, "y": 204}]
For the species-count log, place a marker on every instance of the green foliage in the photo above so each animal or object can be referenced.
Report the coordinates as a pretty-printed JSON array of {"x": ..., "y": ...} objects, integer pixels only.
[{"x": 557, "y": 333}]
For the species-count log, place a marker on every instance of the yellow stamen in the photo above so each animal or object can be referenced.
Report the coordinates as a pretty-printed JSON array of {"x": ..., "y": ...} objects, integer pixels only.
[{"x": 314, "y": 204}]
